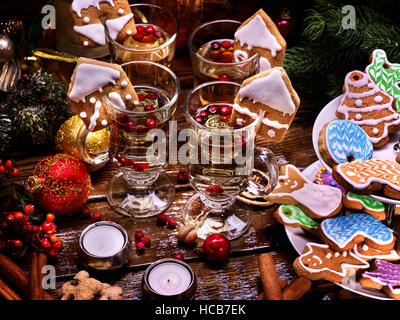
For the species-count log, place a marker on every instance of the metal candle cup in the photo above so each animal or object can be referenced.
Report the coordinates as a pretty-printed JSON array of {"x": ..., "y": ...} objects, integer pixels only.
[
  {"x": 169, "y": 279},
  {"x": 104, "y": 245}
]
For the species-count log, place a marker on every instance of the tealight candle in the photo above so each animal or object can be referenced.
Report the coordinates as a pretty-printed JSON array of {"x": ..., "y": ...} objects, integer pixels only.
[
  {"x": 169, "y": 278},
  {"x": 104, "y": 245}
]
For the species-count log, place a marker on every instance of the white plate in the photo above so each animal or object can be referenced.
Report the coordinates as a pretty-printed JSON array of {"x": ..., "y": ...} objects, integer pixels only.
[
  {"x": 328, "y": 114},
  {"x": 299, "y": 238}
]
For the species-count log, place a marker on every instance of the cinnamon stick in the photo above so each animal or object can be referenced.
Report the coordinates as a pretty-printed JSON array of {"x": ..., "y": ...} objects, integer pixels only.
[
  {"x": 296, "y": 289},
  {"x": 282, "y": 284},
  {"x": 7, "y": 293},
  {"x": 17, "y": 277},
  {"x": 41, "y": 262},
  {"x": 34, "y": 278},
  {"x": 269, "y": 278}
]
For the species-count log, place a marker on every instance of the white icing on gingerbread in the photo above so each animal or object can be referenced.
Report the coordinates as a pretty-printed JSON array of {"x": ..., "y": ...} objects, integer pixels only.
[
  {"x": 240, "y": 55},
  {"x": 95, "y": 116},
  {"x": 79, "y": 5},
  {"x": 271, "y": 91},
  {"x": 94, "y": 32},
  {"x": 256, "y": 34},
  {"x": 90, "y": 78},
  {"x": 116, "y": 99},
  {"x": 115, "y": 26}
]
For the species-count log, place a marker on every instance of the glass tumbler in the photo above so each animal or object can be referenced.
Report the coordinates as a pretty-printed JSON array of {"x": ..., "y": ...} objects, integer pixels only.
[
  {"x": 155, "y": 40},
  {"x": 223, "y": 163},
  {"x": 212, "y": 55},
  {"x": 138, "y": 141}
]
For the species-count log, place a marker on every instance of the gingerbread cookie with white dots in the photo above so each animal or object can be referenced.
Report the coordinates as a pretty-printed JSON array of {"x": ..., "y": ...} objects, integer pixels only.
[
  {"x": 259, "y": 34},
  {"x": 88, "y": 16},
  {"x": 93, "y": 80}
]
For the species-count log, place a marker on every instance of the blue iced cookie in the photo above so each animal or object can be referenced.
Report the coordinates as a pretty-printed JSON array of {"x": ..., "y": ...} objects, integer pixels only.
[
  {"x": 344, "y": 232},
  {"x": 342, "y": 141}
]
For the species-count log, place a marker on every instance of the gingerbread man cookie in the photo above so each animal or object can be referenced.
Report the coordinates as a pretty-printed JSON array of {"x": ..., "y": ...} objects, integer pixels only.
[
  {"x": 385, "y": 74},
  {"x": 365, "y": 177},
  {"x": 259, "y": 34},
  {"x": 344, "y": 232},
  {"x": 383, "y": 275},
  {"x": 272, "y": 93},
  {"x": 319, "y": 262},
  {"x": 87, "y": 15},
  {"x": 318, "y": 201},
  {"x": 366, "y": 105},
  {"x": 90, "y": 82}
]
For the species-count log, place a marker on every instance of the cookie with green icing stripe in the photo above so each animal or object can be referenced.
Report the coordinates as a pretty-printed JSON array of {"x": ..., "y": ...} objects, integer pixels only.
[
  {"x": 293, "y": 216},
  {"x": 385, "y": 74},
  {"x": 367, "y": 204}
]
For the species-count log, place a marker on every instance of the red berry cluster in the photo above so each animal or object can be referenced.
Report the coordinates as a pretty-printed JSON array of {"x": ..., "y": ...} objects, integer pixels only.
[
  {"x": 223, "y": 110},
  {"x": 141, "y": 241},
  {"x": 221, "y": 51},
  {"x": 147, "y": 34},
  {"x": 162, "y": 220},
  {"x": 7, "y": 169},
  {"x": 17, "y": 232}
]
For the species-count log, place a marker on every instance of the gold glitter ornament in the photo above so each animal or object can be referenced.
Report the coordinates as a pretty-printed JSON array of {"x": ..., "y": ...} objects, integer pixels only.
[{"x": 96, "y": 141}]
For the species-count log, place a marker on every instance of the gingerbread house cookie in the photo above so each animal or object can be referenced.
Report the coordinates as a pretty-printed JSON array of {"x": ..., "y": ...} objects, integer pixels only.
[
  {"x": 88, "y": 16},
  {"x": 271, "y": 92},
  {"x": 259, "y": 34},
  {"x": 90, "y": 82}
]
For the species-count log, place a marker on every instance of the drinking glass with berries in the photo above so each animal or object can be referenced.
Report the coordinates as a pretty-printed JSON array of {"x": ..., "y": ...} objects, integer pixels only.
[
  {"x": 155, "y": 39},
  {"x": 213, "y": 57},
  {"x": 223, "y": 164},
  {"x": 140, "y": 188}
]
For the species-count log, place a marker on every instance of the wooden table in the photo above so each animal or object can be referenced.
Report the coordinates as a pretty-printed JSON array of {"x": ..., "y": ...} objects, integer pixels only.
[{"x": 240, "y": 277}]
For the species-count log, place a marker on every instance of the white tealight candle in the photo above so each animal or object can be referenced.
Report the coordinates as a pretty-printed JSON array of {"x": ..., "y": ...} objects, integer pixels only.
[
  {"x": 103, "y": 241},
  {"x": 169, "y": 278}
]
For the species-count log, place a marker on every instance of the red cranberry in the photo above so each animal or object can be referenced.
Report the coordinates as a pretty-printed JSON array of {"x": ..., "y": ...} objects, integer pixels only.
[
  {"x": 34, "y": 229},
  {"x": 50, "y": 217},
  {"x": 96, "y": 217},
  {"x": 138, "y": 36},
  {"x": 17, "y": 243},
  {"x": 149, "y": 29},
  {"x": 140, "y": 247},
  {"x": 212, "y": 109},
  {"x": 130, "y": 126},
  {"x": 224, "y": 77},
  {"x": 141, "y": 97},
  {"x": 151, "y": 123},
  {"x": 29, "y": 209},
  {"x": 162, "y": 219},
  {"x": 139, "y": 28},
  {"x": 58, "y": 244},
  {"x": 224, "y": 119},
  {"x": 216, "y": 247},
  {"x": 139, "y": 235},
  {"x": 157, "y": 34},
  {"x": 2, "y": 169},
  {"x": 46, "y": 243},
  {"x": 224, "y": 110},
  {"x": 198, "y": 119},
  {"x": 178, "y": 256},
  {"x": 148, "y": 108},
  {"x": 14, "y": 172},
  {"x": 203, "y": 114},
  {"x": 183, "y": 177},
  {"x": 226, "y": 44},
  {"x": 171, "y": 223},
  {"x": 8, "y": 164},
  {"x": 215, "y": 45},
  {"x": 146, "y": 241},
  {"x": 18, "y": 216}
]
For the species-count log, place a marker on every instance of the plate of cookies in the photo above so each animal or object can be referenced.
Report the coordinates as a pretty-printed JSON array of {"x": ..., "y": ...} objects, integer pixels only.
[
  {"x": 356, "y": 135},
  {"x": 339, "y": 238}
]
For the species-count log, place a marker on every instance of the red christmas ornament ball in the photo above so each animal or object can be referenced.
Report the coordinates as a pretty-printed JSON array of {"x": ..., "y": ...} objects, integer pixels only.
[
  {"x": 60, "y": 184},
  {"x": 216, "y": 247}
]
